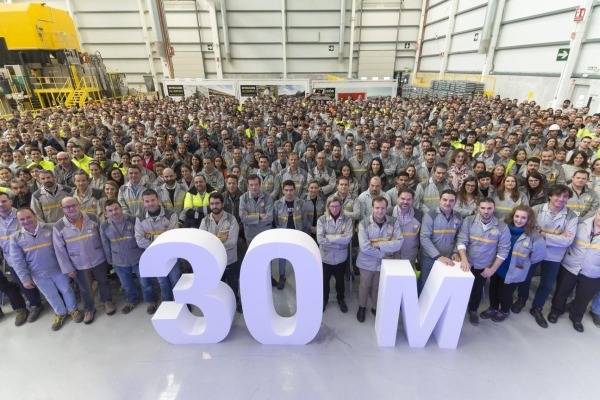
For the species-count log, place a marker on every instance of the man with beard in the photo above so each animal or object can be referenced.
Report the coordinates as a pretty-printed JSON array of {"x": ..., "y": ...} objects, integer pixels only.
[
  {"x": 171, "y": 193},
  {"x": 483, "y": 244},
  {"x": 45, "y": 202},
  {"x": 225, "y": 227}
]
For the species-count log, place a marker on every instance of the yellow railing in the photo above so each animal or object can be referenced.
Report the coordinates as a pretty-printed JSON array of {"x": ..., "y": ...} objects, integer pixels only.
[
  {"x": 58, "y": 83},
  {"x": 424, "y": 79}
]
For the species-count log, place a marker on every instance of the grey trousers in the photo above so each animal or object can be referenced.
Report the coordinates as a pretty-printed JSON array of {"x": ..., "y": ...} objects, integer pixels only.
[{"x": 369, "y": 283}]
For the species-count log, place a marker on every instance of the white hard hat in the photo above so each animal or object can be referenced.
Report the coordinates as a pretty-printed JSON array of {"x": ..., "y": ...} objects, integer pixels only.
[{"x": 554, "y": 127}]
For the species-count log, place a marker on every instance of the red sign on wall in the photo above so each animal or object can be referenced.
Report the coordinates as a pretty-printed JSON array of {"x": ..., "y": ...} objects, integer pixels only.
[{"x": 579, "y": 14}]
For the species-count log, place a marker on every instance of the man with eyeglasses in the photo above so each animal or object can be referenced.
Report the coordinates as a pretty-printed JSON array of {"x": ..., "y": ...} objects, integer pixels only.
[{"x": 78, "y": 247}]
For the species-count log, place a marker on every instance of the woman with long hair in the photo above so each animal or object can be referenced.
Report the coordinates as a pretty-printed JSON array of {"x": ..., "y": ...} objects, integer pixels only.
[
  {"x": 516, "y": 162},
  {"x": 458, "y": 170},
  {"x": 196, "y": 164},
  {"x": 187, "y": 178},
  {"x": 534, "y": 189},
  {"x": 97, "y": 178},
  {"x": 468, "y": 195},
  {"x": 110, "y": 192},
  {"x": 508, "y": 197},
  {"x": 347, "y": 172},
  {"x": 125, "y": 162},
  {"x": 220, "y": 165},
  {"x": 569, "y": 143},
  {"x": 183, "y": 154},
  {"x": 413, "y": 182},
  {"x": 498, "y": 175},
  {"x": 375, "y": 169},
  {"x": 578, "y": 161},
  {"x": 527, "y": 247},
  {"x": 594, "y": 182},
  {"x": 116, "y": 175}
]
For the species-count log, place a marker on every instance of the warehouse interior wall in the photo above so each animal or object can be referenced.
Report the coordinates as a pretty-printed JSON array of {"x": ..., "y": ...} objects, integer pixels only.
[{"x": 518, "y": 43}]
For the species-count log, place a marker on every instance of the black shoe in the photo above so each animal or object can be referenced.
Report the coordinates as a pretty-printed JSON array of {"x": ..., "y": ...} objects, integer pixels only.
[
  {"x": 553, "y": 317},
  {"x": 596, "y": 319},
  {"x": 281, "y": 283},
  {"x": 273, "y": 282},
  {"x": 578, "y": 326},
  {"x": 518, "y": 305},
  {"x": 374, "y": 311},
  {"x": 473, "y": 318},
  {"x": 343, "y": 306},
  {"x": 539, "y": 317},
  {"x": 34, "y": 313},
  {"x": 360, "y": 315}
]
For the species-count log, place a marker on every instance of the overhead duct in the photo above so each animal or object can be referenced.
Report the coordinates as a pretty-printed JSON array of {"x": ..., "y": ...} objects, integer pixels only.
[
  {"x": 488, "y": 27},
  {"x": 342, "y": 29}
]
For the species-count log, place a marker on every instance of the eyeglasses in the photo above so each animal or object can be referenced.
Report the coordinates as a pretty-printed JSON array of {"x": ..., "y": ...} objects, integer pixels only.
[
  {"x": 70, "y": 206},
  {"x": 62, "y": 159}
]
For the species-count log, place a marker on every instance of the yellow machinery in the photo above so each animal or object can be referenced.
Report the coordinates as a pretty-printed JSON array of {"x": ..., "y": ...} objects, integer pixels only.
[{"x": 41, "y": 64}]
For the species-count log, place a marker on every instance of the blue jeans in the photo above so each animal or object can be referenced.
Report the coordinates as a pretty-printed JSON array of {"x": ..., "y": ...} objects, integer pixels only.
[
  {"x": 596, "y": 304},
  {"x": 84, "y": 281},
  {"x": 51, "y": 285},
  {"x": 426, "y": 264},
  {"x": 167, "y": 283},
  {"x": 131, "y": 291},
  {"x": 549, "y": 272},
  {"x": 32, "y": 295},
  {"x": 282, "y": 264}
]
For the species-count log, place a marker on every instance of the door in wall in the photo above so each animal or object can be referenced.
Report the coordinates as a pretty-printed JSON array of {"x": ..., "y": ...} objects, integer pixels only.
[{"x": 580, "y": 97}]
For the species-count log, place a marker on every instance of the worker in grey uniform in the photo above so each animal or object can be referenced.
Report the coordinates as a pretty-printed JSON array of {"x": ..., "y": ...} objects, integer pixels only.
[
  {"x": 36, "y": 265},
  {"x": 334, "y": 234},
  {"x": 225, "y": 227},
  {"x": 76, "y": 240},
  {"x": 379, "y": 237},
  {"x": 483, "y": 244},
  {"x": 151, "y": 223},
  {"x": 584, "y": 201},
  {"x": 409, "y": 219},
  {"x": 439, "y": 230},
  {"x": 580, "y": 270},
  {"x": 256, "y": 209},
  {"x": 123, "y": 253},
  {"x": 558, "y": 225},
  {"x": 289, "y": 212},
  {"x": 9, "y": 224},
  {"x": 428, "y": 192},
  {"x": 45, "y": 202},
  {"x": 171, "y": 193},
  {"x": 87, "y": 196},
  {"x": 130, "y": 194}
]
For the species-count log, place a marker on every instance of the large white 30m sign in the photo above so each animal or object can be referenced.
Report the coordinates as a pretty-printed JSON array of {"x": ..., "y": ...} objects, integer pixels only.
[{"x": 440, "y": 309}]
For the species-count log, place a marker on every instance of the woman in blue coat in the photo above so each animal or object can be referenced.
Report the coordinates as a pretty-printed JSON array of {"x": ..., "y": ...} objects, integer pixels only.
[{"x": 527, "y": 247}]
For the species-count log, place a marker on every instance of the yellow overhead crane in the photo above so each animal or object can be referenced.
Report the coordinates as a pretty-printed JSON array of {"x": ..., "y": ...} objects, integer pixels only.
[{"x": 41, "y": 63}]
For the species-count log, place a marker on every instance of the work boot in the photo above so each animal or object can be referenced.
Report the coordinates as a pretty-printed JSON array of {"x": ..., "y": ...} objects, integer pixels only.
[
  {"x": 34, "y": 313},
  {"x": 21, "y": 318}
]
